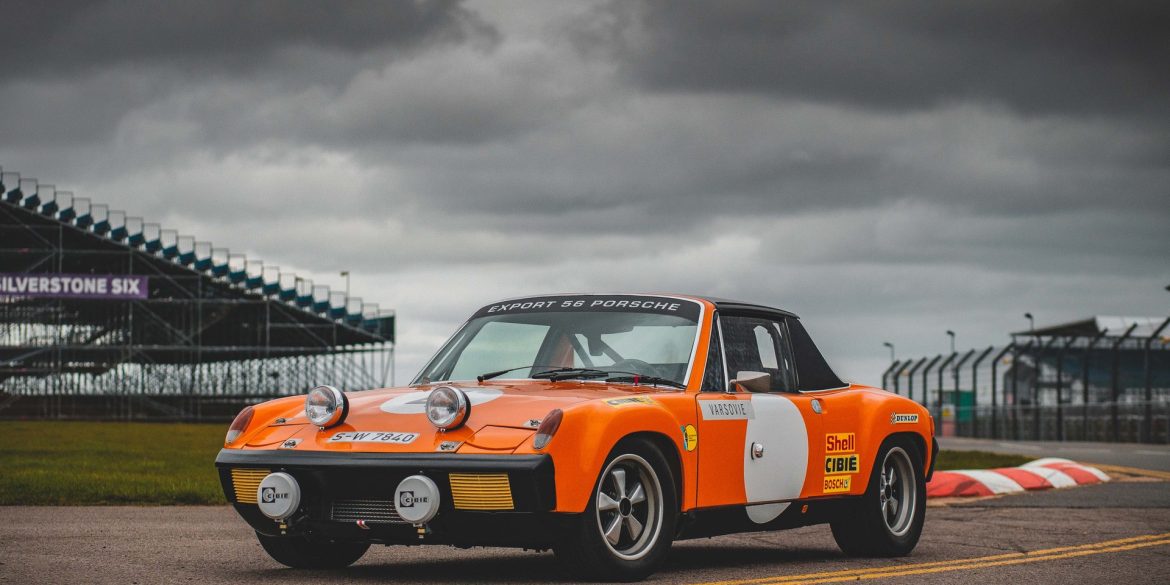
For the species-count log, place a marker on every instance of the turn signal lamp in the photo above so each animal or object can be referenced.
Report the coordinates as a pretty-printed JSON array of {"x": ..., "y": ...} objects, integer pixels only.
[{"x": 239, "y": 424}]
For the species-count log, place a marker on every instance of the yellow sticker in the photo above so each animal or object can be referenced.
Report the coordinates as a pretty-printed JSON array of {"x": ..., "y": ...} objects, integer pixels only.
[
  {"x": 690, "y": 437},
  {"x": 837, "y": 484},
  {"x": 840, "y": 443},
  {"x": 841, "y": 464},
  {"x": 628, "y": 401}
]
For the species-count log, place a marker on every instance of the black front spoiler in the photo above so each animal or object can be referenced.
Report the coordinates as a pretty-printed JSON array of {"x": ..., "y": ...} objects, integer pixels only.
[
  {"x": 384, "y": 461},
  {"x": 326, "y": 477}
]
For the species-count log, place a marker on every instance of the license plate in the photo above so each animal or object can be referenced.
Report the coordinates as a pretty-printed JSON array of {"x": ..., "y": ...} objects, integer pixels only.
[{"x": 390, "y": 437}]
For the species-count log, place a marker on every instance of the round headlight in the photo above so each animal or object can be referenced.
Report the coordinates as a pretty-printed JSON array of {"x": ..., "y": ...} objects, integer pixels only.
[
  {"x": 448, "y": 407},
  {"x": 326, "y": 406}
]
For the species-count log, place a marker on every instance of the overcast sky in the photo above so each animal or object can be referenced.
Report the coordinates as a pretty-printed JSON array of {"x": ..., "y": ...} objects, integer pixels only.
[{"x": 886, "y": 170}]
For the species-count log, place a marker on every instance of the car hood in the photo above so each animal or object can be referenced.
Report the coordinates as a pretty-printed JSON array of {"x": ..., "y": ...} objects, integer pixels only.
[{"x": 503, "y": 415}]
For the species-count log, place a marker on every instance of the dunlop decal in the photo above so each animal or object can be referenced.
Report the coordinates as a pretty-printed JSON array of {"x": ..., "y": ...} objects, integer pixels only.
[
  {"x": 690, "y": 437},
  {"x": 840, "y": 443},
  {"x": 726, "y": 410},
  {"x": 628, "y": 401},
  {"x": 899, "y": 419},
  {"x": 841, "y": 464},
  {"x": 837, "y": 484}
]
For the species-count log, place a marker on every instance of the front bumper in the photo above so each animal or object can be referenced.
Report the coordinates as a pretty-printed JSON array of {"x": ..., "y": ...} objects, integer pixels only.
[{"x": 340, "y": 488}]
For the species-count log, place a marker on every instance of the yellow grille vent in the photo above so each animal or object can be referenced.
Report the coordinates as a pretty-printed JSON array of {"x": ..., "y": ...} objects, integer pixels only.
[
  {"x": 481, "y": 491},
  {"x": 246, "y": 482}
]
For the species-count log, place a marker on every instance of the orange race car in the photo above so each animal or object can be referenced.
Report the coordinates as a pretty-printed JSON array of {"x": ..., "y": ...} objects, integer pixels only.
[{"x": 603, "y": 427}]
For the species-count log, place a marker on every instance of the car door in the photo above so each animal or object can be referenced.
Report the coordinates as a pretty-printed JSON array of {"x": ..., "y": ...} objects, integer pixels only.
[{"x": 755, "y": 443}]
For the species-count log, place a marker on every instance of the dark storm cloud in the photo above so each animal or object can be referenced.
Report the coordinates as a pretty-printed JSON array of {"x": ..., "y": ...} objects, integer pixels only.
[
  {"x": 1069, "y": 57},
  {"x": 64, "y": 38},
  {"x": 880, "y": 168}
]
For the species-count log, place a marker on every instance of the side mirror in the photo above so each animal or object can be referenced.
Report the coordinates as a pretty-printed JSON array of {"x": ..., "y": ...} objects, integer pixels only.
[{"x": 753, "y": 381}]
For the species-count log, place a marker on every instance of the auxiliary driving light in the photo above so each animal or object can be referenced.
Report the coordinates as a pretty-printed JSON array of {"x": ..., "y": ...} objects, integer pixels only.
[
  {"x": 326, "y": 406},
  {"x": 448, "y": 407},
  {"x": 278, "y": 495}
]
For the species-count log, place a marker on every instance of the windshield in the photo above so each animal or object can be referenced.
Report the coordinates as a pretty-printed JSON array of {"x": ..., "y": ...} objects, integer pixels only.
[{"x": 652, "y": 337}]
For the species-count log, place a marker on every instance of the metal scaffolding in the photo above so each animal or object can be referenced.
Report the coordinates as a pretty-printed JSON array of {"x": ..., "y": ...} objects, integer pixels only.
[{"x": 207, "y": 332}]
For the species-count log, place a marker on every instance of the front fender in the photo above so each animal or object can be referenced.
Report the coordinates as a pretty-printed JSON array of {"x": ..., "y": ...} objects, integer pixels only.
[{"x": 588, "y": 433}]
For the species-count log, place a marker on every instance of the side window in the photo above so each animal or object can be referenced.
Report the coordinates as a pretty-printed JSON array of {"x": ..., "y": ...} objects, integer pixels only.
[
  {"x": 714, "y": 379},
  {"x": 755, "y": 344}
]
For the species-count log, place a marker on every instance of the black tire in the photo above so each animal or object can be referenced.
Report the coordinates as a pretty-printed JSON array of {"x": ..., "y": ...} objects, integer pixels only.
[
  {"x": 867, "y": 527},
  {"x": 301, "y": 553},
  {"x": 586, "y": 552}
]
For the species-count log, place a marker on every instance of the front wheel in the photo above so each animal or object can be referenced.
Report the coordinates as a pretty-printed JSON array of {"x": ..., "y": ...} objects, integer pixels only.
[
  {"x": 627, "y": 528},
  {"x": 302, "y": 553},
  {"x": 888, "y": 519}
]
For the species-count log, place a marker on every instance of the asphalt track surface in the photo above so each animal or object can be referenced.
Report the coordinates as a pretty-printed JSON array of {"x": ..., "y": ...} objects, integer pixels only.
[
  {"x": 1117, "y": 532},
  {"x": 1156, "y": 457}
]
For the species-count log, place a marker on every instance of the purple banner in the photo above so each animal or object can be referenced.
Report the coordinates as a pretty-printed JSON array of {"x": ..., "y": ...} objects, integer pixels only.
[{"x": 73, "y": 286}]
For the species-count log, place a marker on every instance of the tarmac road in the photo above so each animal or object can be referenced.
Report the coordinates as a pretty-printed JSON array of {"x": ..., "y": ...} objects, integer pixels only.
[
  {"x": 1117, "y": 532},
  {"x": 1156, "y": 457}
]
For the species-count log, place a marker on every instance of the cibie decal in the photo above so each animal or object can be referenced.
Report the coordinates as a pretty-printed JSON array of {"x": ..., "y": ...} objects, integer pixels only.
[
  {"x": 290, "y": 444},
  {"x": 389, "y": 437},
  {"x": 416, "y": 402},
  {"x": 841, "y": 464},
  {"x": 899, "y": 419},
  {"x": 837, "y": 484},
  {"x": 690, "y": 437},
  {"x": 628, "y": 401},
  {"x": 726, "y": 410},
  {"x": 840, "y": 443}
]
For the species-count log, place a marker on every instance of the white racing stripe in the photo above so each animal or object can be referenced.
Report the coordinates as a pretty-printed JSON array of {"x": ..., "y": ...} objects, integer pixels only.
[{"x": 998, "y": 484}]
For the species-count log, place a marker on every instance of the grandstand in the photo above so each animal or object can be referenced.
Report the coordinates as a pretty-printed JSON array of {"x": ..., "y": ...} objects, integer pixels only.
[{"x": 106, "y": 315}]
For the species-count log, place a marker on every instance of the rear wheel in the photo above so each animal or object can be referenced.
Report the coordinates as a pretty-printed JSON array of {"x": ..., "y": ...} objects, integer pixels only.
[
  {"x": 301, "y": 553},
  {"x": 888, "y": 519},
  {"x": 626, "y": 529}
]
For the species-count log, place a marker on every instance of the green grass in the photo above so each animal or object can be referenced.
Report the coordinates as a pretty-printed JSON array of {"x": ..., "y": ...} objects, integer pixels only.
[
  {"x": 73, "y": 463},
  {"x": 948, "y": 460}
]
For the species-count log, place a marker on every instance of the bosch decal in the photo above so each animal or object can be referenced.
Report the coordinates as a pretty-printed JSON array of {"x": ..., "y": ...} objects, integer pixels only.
[{"x": 837, "y": 484}]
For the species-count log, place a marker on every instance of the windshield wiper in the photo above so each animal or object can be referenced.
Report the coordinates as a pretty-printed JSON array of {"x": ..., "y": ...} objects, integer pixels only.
[
  {"x": 637, "y": 378},
  {"x": 566, "y": 373},
  {"x": 497, "y": 373},
  {"x": 553, "y": 374}
]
